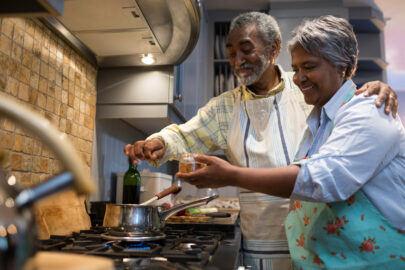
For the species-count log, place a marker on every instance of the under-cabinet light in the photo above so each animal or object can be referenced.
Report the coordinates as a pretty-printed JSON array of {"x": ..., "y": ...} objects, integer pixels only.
[{"x": 148, "y": 59}]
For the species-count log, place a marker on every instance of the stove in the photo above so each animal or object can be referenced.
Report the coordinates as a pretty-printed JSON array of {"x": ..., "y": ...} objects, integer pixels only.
[{"x": 180, "y": 248}]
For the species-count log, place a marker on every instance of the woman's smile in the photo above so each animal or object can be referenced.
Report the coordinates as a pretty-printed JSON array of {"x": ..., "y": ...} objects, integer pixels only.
[{"x": 306, "y": 88}]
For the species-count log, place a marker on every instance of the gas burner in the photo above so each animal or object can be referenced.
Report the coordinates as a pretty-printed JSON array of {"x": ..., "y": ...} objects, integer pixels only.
[
  {"x": 189, "y": 248},
  {"x": 132, "y": 236},
  {"x": 173, "y": 248},
  {"x": 141, "y": 249}
]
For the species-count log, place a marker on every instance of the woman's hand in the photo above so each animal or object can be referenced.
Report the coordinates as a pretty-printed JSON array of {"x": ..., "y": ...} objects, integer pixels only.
[
  {"x": 217, "y": 173},
  {"x": 385, "y": 95}
]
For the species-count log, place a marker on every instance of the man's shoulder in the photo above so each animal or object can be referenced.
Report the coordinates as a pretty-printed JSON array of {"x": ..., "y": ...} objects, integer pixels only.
[
  {"x": 288, "y": 76},
  {"x": 226, "y": 97}
]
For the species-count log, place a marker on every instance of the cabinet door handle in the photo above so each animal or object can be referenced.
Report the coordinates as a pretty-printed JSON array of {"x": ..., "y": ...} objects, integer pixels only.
[{"x": 179, "y": 97}]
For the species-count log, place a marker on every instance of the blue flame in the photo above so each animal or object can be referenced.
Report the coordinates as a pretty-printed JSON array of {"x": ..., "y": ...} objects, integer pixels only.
[{"x": 138, "y": 245}]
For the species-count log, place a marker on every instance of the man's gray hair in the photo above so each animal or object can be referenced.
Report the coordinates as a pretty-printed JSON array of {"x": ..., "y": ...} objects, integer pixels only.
[
  {"x": 331, "y": 38},
  {"x": 267, "y": 27}
]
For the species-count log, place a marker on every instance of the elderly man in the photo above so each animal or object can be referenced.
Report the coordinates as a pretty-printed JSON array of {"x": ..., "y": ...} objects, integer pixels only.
[{"x": 257, "y": 125}]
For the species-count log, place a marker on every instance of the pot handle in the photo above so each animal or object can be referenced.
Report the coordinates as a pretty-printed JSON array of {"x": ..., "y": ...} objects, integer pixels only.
[{"x": 168, "y": 213}]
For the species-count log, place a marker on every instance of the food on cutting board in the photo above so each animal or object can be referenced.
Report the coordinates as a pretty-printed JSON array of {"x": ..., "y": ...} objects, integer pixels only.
[
  {"x": 166, "y": 205},
  {"x": 224, "y": 203},
  {"x": 218, "y": 208},
  {"x": 200, "y": 210},
  {"x": 189, "y": 219}
]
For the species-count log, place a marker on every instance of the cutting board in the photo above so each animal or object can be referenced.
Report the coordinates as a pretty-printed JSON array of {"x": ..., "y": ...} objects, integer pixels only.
[
  {"x": 45, "y": 260},
  {"x": 226, "y": 224},
  {"x": 188, "y": 219},
  {"x": 61, "y": 214},
  {"x": 204, "y": 219}
]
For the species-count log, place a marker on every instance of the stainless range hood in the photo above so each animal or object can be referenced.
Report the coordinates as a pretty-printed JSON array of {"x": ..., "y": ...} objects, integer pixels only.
[
  {"x": 142, "y": 97},
  {"x": 115, "y": 33}
]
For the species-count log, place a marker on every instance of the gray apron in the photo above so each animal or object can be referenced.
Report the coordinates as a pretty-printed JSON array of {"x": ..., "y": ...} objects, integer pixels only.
[{"x": 264, "y": 133}]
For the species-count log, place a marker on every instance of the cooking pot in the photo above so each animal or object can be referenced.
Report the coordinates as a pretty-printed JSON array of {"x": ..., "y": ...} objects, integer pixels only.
[
  {"x": 142, "y": 222},
  {"x": 17, "y": 223}
]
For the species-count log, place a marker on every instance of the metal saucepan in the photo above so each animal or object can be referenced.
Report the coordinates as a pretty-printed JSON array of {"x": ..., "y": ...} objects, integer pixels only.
[{"x": 144, "y": 220}]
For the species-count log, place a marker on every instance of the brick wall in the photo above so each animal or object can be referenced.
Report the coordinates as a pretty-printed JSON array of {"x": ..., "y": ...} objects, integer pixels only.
[{"x": 39, "y": 70}]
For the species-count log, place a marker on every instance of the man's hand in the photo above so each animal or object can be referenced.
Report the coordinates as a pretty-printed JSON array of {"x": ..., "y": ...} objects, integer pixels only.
[
  {"x": 385, "y": 94},
  {"x": 217, "y": 173},
  {"x": 149, "y": 150}
]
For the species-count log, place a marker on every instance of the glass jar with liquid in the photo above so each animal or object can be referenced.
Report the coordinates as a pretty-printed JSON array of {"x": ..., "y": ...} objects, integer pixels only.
[{"x": 187, "y": 163}]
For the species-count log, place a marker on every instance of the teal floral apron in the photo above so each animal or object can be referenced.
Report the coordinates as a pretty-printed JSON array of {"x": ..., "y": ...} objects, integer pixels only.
[
  {"x": 264, "y": 133},
  {"x": 349, "y": 234}
]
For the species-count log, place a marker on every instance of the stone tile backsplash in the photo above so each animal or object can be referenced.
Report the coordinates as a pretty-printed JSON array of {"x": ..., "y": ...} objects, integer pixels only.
[{"x": 41, "y": 71}]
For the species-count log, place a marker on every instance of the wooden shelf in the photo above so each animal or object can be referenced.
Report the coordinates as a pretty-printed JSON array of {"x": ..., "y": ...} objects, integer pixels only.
[
  {"x": 221, "y": 61},
  {"x": 224, "y": 79},
  {"x": 371, "y": 64},
  {"x": 366, "y": 20}
]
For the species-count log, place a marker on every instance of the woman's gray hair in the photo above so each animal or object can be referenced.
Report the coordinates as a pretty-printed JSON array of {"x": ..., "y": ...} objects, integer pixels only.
[
  {"x": 331, "y": 38},
  {"x": 267, "y": 27}
]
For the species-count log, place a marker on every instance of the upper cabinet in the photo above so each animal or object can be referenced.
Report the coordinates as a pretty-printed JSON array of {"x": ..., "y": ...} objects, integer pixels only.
[{"x": 191, "y": 81}]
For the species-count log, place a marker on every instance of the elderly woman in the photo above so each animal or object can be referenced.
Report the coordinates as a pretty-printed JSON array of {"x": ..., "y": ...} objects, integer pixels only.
[{"x": 349, "y": 193}]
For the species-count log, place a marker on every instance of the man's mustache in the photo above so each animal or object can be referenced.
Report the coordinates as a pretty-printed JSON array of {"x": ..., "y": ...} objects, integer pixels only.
[{"x": 246, "y": 65}]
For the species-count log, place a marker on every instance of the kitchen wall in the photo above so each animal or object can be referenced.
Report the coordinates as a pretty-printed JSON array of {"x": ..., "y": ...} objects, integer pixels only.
[{"x": 39, "y": 70}]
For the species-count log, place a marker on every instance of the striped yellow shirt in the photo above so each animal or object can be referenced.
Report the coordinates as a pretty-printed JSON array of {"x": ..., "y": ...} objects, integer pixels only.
[{"x": 207, "y": 132}]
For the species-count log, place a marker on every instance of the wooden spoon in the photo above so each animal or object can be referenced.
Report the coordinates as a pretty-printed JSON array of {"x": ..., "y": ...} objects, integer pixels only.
[{"x": 176, "y": 188}]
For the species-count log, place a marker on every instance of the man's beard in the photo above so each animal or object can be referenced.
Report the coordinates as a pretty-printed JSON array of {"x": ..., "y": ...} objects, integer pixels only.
[{"x": 257, "y": 73}]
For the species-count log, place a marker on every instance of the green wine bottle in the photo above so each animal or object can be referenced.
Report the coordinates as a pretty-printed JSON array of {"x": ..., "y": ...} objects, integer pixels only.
[{"x": 132, "y": 185}]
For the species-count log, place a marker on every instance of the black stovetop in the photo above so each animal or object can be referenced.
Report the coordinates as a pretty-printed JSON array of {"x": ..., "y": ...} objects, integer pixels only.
[{"x": 182, "y": 248}]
